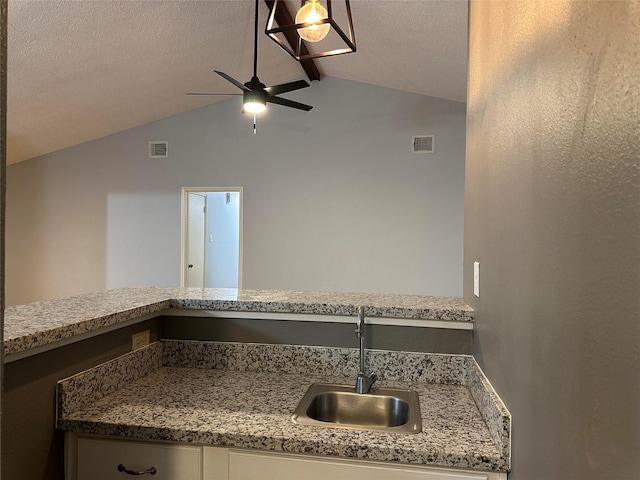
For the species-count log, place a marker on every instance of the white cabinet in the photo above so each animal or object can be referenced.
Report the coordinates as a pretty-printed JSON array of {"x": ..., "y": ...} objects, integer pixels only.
[
  {"x": 95, "y": 458},
  {"x": 248, "y": 465},
  {"x": 100, "y": 459}
]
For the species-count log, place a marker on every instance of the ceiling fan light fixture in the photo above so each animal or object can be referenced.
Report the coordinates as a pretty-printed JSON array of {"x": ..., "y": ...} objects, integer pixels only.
[
  {"x": 254, "y": 102},
  {"x": 309, "y": 35},
  {"x": 312, "y": 13},
  {"x": 255, "y": 94}
]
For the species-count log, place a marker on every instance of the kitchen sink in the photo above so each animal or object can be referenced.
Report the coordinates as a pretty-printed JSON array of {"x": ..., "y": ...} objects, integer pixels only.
[{"x": 382, "y": 409}]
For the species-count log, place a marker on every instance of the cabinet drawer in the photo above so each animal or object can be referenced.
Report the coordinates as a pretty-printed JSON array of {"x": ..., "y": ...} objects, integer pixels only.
[
  {"x": 99, "y": 459},
  {"x": 251, "y": 466}
]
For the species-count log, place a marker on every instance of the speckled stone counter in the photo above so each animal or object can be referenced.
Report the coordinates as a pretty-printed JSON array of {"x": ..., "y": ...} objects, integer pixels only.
[
  {"x": 43, "y": 323},
  {"x": 243, "y": 395}
]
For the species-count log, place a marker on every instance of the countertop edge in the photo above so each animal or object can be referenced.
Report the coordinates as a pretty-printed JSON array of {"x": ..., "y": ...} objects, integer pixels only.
[
  {"x": 284, "y": 445},
  {"x": 43, "y": 323}
]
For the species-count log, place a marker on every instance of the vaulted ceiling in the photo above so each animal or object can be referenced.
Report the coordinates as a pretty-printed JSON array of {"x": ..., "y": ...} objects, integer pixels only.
[{"x": 80, "y": 70}]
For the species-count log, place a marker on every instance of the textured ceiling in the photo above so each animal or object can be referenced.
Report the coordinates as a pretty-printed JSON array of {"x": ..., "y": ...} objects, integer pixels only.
[{"x": 79, "y": 70}]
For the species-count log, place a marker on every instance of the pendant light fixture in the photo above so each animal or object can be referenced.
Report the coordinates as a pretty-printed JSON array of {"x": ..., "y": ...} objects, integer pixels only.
[{"x": 315, "y": 32}]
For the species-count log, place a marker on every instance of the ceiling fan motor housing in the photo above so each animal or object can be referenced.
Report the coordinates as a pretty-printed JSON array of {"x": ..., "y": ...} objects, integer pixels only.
[{"x": 255, "y": 96}]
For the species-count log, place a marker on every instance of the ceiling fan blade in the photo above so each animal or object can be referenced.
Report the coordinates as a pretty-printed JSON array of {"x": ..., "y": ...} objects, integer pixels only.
[
  {"x": 217, "y": 94},
  {"x": 286, "y": 87},
  {"x": 232, "y": 80},
  {"x": 289, "y": 103}
]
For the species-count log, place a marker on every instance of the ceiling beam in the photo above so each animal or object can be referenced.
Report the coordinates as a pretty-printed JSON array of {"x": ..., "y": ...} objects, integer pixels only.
[{"x": 283, "y": 17}]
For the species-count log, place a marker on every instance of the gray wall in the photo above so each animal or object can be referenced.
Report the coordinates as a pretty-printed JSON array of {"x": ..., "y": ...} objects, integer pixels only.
[
  {"x": 552, "y": 212},
  {"x": 381, "y": 337},
  {"x": 32, "y": 449},
  {"x": 333, "y": 198},
  {"x": 3, "y": 161}
]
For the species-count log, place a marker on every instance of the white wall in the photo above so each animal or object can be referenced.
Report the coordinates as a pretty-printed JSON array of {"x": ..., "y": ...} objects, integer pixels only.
[
  {"x": 333, "y": 198},
  {"x": 223, "y": 239},
  {"x": 137, "y": 242}
]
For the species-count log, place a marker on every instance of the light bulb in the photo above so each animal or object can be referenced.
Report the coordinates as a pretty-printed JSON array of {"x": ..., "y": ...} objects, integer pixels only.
[
  {"x": 254, "y": 107},
  {"x": 312, "y": 12}
]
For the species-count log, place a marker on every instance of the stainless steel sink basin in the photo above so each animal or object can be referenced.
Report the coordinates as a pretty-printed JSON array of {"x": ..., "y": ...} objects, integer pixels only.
[{"x": 382, "y": 409}]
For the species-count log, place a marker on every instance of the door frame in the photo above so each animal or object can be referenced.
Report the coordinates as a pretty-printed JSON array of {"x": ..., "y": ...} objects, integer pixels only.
[{"x": 184, "y": 226}]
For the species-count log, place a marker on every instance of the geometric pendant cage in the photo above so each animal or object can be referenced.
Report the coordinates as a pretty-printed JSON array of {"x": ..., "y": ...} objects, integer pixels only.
[{"x": 282, "y": 29}]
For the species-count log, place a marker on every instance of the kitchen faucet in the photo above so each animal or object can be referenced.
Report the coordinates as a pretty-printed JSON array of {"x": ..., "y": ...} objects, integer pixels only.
[{"x": 363, "y": 381}]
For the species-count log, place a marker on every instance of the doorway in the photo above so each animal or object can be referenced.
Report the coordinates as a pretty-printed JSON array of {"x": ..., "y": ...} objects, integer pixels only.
[{"x": 211, "y": 237}]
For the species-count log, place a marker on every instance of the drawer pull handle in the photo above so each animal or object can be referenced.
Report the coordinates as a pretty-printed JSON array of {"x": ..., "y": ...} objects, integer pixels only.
[{"x": 151, "y": 471}]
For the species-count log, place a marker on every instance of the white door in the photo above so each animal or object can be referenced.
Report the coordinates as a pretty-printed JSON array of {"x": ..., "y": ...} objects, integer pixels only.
[{"x": 196, "y": 225}]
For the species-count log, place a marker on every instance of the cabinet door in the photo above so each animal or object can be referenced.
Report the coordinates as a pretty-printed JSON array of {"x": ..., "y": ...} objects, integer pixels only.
[
  {"x": 252, "y": 466},
  {"x": 100, "y": 459}
]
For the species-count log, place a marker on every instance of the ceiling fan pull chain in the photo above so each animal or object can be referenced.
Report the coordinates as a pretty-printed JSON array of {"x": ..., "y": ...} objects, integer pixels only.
[{"x": 254, "y": 123}]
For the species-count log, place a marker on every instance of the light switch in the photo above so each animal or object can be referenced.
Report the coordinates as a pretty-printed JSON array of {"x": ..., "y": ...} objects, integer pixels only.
[{"x": 476, "y": 279}]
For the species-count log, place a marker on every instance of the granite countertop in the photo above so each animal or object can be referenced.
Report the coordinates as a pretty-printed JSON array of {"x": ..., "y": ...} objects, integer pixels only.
[
  {"x": 43, "y": 323},
  {"x": 243, "y": 395}
]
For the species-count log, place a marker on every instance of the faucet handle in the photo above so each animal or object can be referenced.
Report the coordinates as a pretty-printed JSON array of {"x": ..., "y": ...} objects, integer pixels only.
[{"x": 364, "y": 382}]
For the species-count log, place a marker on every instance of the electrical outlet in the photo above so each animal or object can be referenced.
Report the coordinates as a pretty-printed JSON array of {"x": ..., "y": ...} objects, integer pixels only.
[{"x": 139, "y": 340}]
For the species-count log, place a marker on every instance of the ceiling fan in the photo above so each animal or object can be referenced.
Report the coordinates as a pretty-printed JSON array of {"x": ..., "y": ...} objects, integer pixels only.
[{"x": 255, "y": 94}]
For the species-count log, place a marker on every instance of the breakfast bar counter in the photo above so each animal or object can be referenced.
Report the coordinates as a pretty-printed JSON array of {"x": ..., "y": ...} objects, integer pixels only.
[{"x": 45, "y": 324}]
